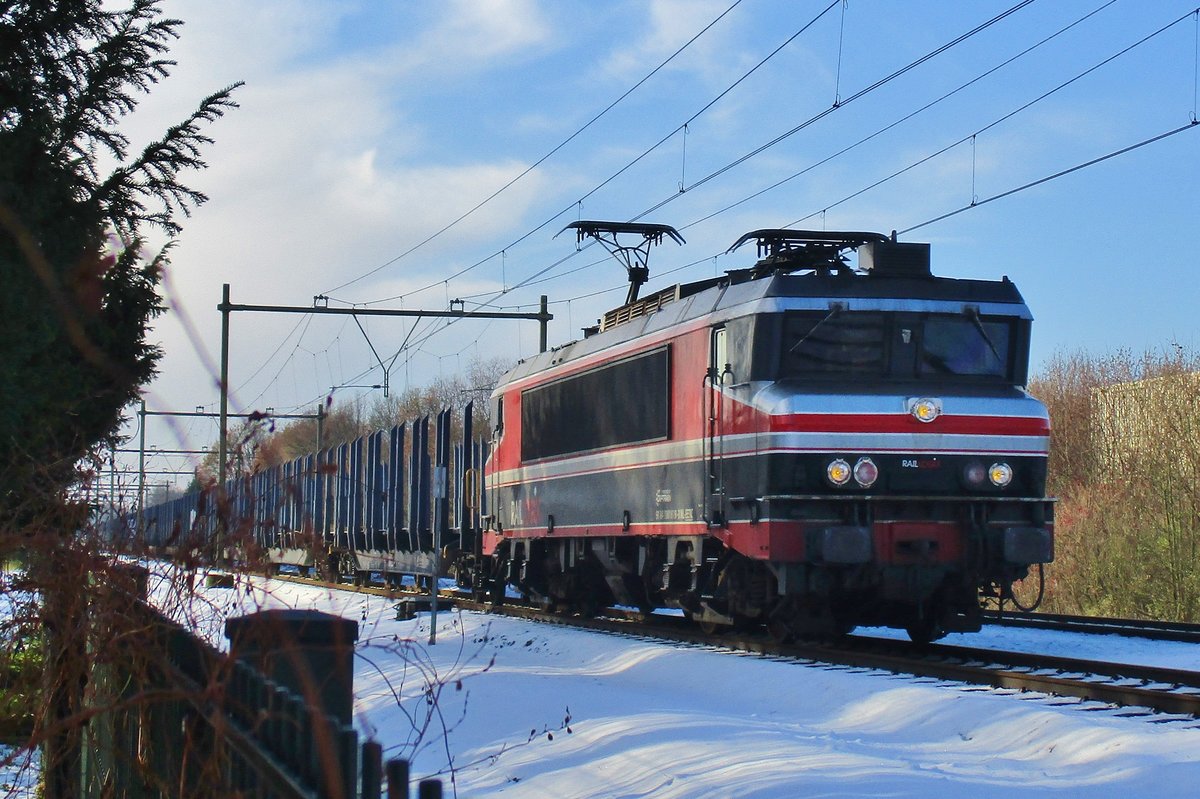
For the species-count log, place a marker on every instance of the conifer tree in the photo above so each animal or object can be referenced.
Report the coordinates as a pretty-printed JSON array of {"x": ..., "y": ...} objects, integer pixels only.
[
  {"x": 77, "y": 297},
  {"x": 78, "y": 293}
]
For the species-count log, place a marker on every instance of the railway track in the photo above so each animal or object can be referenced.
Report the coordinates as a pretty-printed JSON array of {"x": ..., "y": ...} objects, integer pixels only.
[
  {"x": 1099, "y": 625},
  {"x": 1164, "y": 690},
  {"x": 1154, "y": 689}
]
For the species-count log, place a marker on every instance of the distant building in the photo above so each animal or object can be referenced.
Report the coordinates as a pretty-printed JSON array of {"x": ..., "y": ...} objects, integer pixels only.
[{"x": 1155, "y": 421}]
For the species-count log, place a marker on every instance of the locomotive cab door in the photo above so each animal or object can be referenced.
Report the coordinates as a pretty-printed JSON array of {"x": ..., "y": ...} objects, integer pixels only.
[{"x": 716, "y": 418}]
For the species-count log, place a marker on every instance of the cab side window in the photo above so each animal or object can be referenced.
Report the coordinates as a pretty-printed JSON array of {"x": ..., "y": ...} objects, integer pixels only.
[
  {"x": 720, "y": 354},
  {"x": 498, "y": 418}
]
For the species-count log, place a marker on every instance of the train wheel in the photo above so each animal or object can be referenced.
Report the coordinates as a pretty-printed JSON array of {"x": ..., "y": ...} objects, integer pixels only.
[
  {"x": 780, "y": 632},
  {"x": 924, "y": 630},
  {"x": 708, "y": 627},
  {"x": 494, "y": 586},
  {"x": 783, "y": 622},
  {"x": 587, "y": 605}
]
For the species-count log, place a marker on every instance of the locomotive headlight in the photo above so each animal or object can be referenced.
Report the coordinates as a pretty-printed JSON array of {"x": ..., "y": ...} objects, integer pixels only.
[
  {"x": 925, "y": 409},
  {"x": 1001, "y": 474},
  {"x": 866, "y": 472},
  {"x": 975, "y": 473},
  {"x": 838, "y": 472}
]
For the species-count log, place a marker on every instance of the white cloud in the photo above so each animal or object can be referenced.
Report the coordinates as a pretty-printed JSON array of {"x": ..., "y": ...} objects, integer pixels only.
[
  {"x": 322, "y": 173},
  {"x": 668, "y": 25},
  {"x": 470, "y": 35}
]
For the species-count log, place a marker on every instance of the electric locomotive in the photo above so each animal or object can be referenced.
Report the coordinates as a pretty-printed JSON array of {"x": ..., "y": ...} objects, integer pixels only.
[{"x": 798, "y": 444}]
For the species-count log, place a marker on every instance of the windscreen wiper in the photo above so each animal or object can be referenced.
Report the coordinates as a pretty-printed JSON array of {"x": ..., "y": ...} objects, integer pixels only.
[
  {"x": 835, "y": 308},
  {"x": 972, "y": 313}
]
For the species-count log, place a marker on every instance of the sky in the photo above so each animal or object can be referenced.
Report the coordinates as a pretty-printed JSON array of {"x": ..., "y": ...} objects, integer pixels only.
[
  {"x": 653, "y": 719},
  {"x": 404, "y": 155}
]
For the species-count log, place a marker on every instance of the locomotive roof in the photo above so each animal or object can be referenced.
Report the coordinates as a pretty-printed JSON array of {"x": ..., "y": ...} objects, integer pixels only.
[
  {"x": 901, "y": 288},
  {"x": 740, "y": 293}
]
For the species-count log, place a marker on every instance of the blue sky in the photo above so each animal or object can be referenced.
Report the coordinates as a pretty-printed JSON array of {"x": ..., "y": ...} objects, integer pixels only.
[{"x": 366, "y": 127}]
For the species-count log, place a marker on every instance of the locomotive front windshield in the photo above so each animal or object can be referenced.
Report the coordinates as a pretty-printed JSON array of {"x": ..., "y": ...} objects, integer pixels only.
[
  {"x": 899, "y": 346},
  {"x": 955, "y": 345}
]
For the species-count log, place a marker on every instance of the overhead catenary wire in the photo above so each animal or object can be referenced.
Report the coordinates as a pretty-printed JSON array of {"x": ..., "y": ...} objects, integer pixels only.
[
  {"x": 1191, "y": 125},
  {"x": 912, "y": 114},
  {"x": 637, "y": 159},
  {"x": 762, "y": 148},
  {"x": 1196, "y": 63},
  {"x": 548, "y": 155},
  {"x": 826, "y": 112},
  {"x": 626, "y": 167},
  {"x": 757, "y": 151},
  {"x": 837, "y": 78},
  {"x": 1003, "y": 118},
  {"x": 444, "y": 324},
  {"x": 972, "y": 136},
  {"x": 693, "y": 118},
  {"x": 305, "y": 320},
  {"x": 531, "y": 280}
]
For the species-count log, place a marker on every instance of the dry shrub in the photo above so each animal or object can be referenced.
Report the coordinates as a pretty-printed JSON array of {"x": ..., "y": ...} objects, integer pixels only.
[{"x": 1125, "y": 464}]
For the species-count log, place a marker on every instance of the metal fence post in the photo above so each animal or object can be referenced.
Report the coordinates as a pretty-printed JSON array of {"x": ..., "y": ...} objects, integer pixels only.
[
  {"x": 308, "y": 652},
  {"x": 371, "y": 772},
  {"x": 429, "y": 789},
  {"x": 311, "y": 654},
  {"x": 397, "y": 778}
]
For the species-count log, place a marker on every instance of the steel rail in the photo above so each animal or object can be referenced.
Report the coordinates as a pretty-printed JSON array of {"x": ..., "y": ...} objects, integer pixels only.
[
  {"x": 1098, "y": 625},
  {"x": 1162, "y": 689}
]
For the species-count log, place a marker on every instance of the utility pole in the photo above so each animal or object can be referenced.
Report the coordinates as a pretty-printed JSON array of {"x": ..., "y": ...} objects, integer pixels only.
[
  {"x": 544, "y": 313},
  {"x": 542, "y": 316},
  {"x": 320, "y": 427},
  {"x": 141, "y": 466},
  {"x": 224, "y": 417},
  {"x": 221, "y": 444},
  {"x": 441, "y": 504},
  {"x": 112, "y": 489}
]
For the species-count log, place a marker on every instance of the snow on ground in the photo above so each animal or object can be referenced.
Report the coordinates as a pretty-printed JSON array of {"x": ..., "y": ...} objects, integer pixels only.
[
  {"x": 18, "y": 779},
  {"x": 1111, "y": 648},
  {"x": 660, "y": 720}
]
